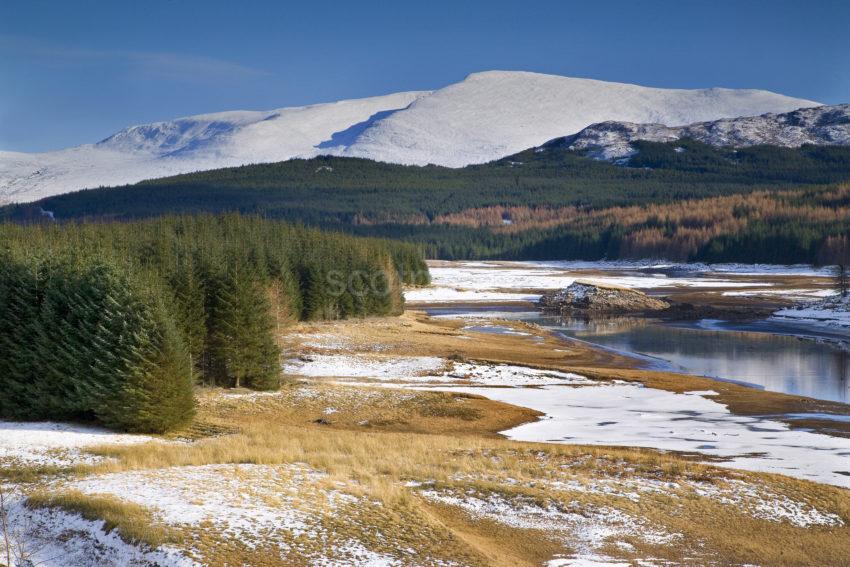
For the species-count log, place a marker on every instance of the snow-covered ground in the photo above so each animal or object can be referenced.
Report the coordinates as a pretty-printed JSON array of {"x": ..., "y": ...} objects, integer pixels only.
[
  {"x": 493, "y": 114},
  {"x": 583, "y": 528},
  {"x": 759, "y": 501},
  {"x": 486, "y": 116},
  {"x": 363, "y": 366},
  {"x": 194, "y": 143},
  {"x": 587, "y": 412},
  {"x": 444, "y": 294},
  {"x": 633, "y": 416},
  {"x": 288, "y": 506},
  {"x": 282, "y": 507},
  {"x": 55, "y": 444},
  {"x": 512, "y": 375},
  {"x": 833, "y": 311},
  {"x": 51, "y": 537},
  {"x": 817, "y": 126},
  {"x": 587, "y": 529},
  {"x": 797, "y": 294},
  {"x": 427, "y": 370},
  {"x": 494, "y": 282}
]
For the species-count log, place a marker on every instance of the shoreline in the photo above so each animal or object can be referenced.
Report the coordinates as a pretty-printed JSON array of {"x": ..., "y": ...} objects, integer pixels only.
[
  {"x": 722, "y": 299},
  {"x": 734, "y": 410},
  {"x": 400, "y": 425}
]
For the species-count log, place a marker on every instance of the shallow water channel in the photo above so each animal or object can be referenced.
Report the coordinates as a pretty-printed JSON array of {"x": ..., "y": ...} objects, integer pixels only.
[{"x": 782, "y": 358}]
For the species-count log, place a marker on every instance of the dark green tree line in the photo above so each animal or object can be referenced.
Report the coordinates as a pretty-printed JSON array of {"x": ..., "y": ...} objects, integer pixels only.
[{"x": 117, "y": 321}]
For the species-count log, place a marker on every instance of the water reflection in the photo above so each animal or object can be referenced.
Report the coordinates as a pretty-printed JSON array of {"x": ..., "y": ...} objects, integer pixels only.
[{"x": 776, "y": 362}]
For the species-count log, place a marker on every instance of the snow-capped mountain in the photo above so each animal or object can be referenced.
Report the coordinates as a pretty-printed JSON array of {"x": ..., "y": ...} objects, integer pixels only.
[
  {"x": 484, "y": 117},
  {"x": 195, "y": 143},
  {"x": 495, "y": 114},
  {"x": 822, "y": 125}
]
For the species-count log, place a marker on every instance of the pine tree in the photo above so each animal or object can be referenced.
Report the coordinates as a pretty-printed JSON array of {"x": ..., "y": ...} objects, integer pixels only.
[
  {"x": 157, "y": 392},
  {"x": 105, "y": 321},
  {"x": 190, "y": 310},
  {"x": 243, "y": 336}
]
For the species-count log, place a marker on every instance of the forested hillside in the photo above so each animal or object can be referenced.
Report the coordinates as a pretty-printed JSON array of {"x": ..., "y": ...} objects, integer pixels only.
[
  {"x": 538, "y": 194},
  {"x": 118, "y": 321},
  {"x": 357, "y": 191},
  {"x": 798, "y": 226}
]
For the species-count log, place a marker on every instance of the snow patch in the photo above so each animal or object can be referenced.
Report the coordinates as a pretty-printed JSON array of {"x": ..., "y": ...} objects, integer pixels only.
[
  {"x": 584, "y": 528},
  {"x": 634, "y": 416},
  {"x": 511, "y": 375},
  {"x": 764, "y": 505},
  {"x": 363, "y": 366},
  {"x": 830, "y": 312},
  {"x": 54, "y": 538},
  {"x": 56, "y": 444},
  {"x": 252, "y": 505}
]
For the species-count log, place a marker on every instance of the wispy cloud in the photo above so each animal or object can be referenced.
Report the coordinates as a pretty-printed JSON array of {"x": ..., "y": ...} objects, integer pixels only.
[{"x": 148, "y": 64}]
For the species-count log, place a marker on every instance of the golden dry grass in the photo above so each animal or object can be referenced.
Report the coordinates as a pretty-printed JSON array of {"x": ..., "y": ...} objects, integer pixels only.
[
  {"x": 381, "y": 462},
  {"x": 386, "y": 446},
  {"x": 134, "y": 523}
]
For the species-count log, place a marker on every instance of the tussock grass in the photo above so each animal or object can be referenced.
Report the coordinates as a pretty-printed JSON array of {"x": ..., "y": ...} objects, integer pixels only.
[
  {"x": 379, "y": 440},
  {"x": 134, "y": 523},
  {"x": 377, "y": 464},
  {"x": 24, "y": 474}
]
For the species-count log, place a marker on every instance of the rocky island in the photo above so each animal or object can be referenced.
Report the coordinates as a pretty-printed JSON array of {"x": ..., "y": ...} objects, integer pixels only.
[{"x": 586, "y": 298}]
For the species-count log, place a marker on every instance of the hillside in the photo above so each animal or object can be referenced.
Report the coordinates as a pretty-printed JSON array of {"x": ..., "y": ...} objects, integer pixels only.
[
  {"x": 336, "y": 190},
  {"x": 526, "y": 206},
  {"x": 822, "y": 125},
  {"x": 194, "y": 143},
  {"x": 494, "y": 114},
  {"x": 487, "y": 116}
]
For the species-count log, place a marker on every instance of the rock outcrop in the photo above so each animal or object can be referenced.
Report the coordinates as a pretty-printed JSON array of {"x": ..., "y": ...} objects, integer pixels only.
[
  {"x": 585, "y": 298},
  {"x": 612, "y": 140}
]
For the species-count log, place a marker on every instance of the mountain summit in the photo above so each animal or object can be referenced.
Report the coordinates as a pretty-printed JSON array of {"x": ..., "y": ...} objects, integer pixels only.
[
  {"x": 484, "y": 117},
  {"x": 498, "y": 113}
]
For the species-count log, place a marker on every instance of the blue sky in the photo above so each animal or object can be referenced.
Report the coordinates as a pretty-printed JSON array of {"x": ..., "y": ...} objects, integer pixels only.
[{"x": 73, "y": 72}]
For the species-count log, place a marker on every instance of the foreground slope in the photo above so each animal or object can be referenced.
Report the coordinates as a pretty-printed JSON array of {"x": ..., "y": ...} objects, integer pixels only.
[
  {"x": 487, "y": 116},
  {"x": 357, "y": 464}
]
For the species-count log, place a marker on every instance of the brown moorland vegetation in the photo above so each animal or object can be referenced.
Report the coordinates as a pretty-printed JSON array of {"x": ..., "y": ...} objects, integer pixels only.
[{"x": 677, "y": 230}]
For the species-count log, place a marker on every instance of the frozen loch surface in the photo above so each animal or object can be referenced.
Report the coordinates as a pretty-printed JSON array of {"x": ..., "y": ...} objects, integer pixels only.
[
  {"x": 586, "y": 412},
  {"x": 494, "y": 282},
  {"x": 634, "y": 416}
]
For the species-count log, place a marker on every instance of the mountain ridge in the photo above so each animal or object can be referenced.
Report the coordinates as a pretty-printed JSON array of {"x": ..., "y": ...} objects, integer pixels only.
[
  {"x": 612, "y": 140},
  {"x": 487, "y": 116},
  {"x": 530, "y": 106}
]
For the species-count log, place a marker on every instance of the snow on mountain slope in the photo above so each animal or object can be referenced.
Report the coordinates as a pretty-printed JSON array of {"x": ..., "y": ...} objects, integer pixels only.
[
  {"x": 493, "y": 114},
  {"x": 484, "y": 117},
  {"x": 822, "y": 125},
  {"x": 206, "y": 141}
]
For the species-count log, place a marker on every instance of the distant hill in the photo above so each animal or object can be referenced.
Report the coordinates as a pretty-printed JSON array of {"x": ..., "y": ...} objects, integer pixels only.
[
  {"x": 487, "y": 116},
  {"x": 524, "y": 206},
  {"x": 822, "y": 125}
]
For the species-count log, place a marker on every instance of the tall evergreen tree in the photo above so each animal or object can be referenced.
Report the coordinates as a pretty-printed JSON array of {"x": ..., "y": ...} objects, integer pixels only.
[{"x": 243, "y": 335}]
